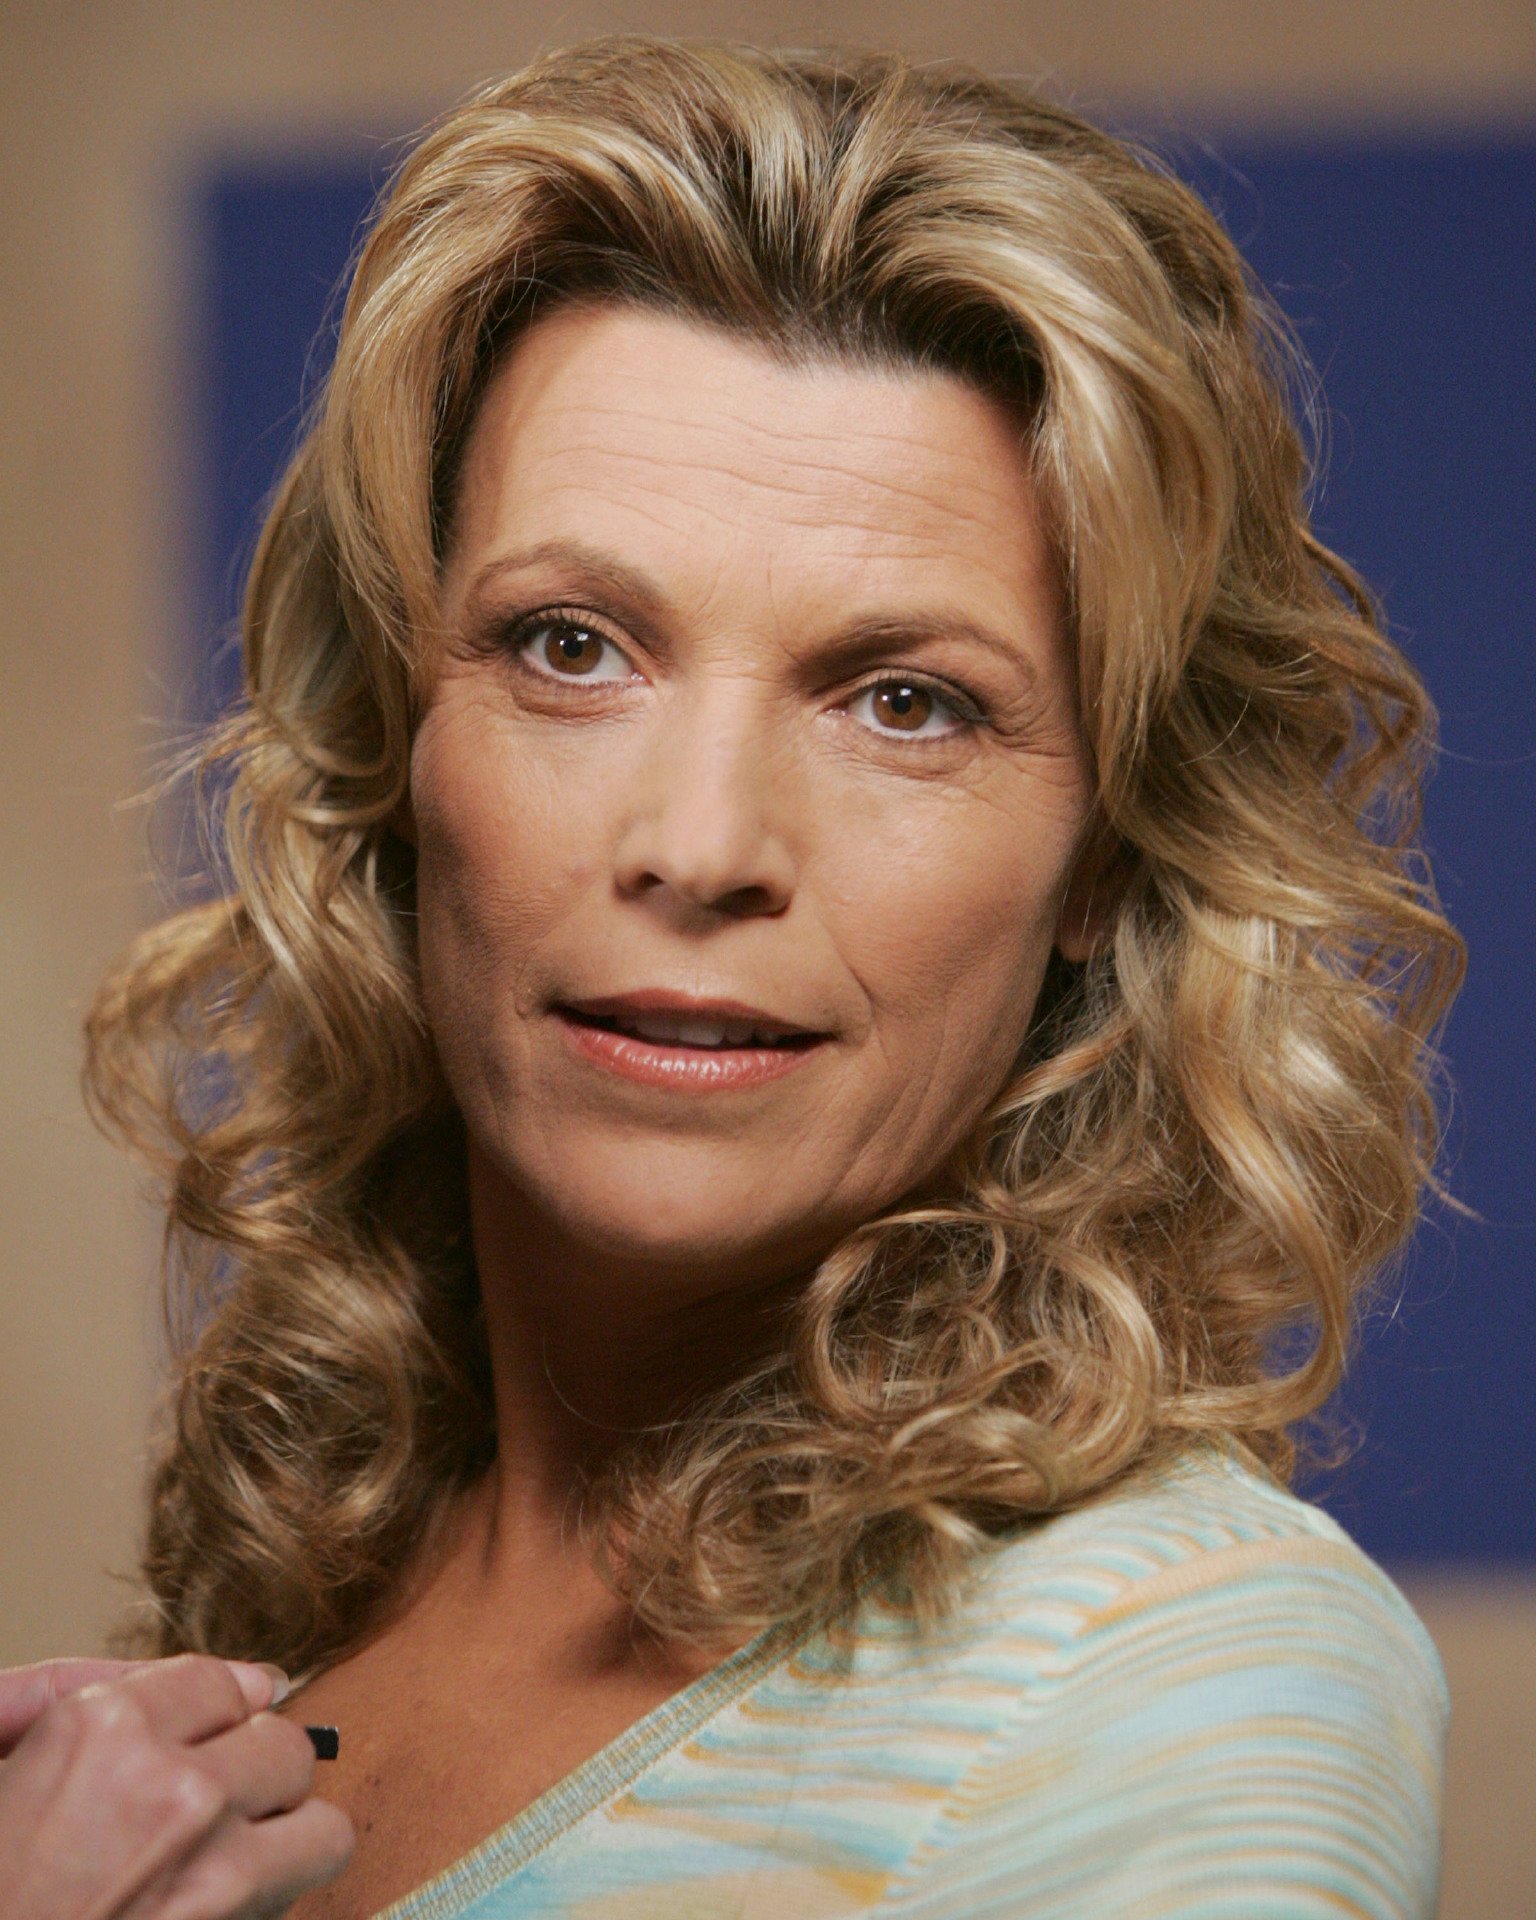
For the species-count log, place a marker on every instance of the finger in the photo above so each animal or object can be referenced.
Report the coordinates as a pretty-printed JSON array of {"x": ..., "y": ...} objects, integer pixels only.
[
  {"x": 262, "y": 1683},
  {"x": 252, "y": 1868},
  {"x": 98, "y": 1806},
  {"x": 294, "y": 1852},
  {"x": 264, "y": 1767},
  {"x": 25, "y": 1692},
  {"x": 188, "y": 1698}
]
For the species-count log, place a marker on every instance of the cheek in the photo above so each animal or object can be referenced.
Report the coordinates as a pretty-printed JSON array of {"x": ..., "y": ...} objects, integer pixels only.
[
  {"x": 949, "y": 920},
  {"x": 490, "y": 867}
]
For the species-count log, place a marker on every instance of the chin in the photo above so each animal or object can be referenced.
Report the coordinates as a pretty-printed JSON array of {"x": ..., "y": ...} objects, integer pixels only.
[
  {"x": 669, "y": 1212},
  {"x": 667, "y": 1226}
]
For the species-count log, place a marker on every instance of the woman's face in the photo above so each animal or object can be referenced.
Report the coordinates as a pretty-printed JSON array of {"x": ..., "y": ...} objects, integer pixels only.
[{"x": 759, "y": 693}]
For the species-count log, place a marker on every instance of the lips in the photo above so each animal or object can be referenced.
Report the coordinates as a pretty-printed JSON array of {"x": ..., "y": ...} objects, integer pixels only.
[
  {"x": 685, "y": 1047},
  {"x": 664, "y": 1020}
]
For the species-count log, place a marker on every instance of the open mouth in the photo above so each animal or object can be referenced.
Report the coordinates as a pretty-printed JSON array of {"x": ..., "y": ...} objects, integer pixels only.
[{"x": 704, "y": 1035}]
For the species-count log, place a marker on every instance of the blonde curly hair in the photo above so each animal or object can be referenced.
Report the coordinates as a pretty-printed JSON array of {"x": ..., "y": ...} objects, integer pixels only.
[{"x": 1220, "y": 1126}]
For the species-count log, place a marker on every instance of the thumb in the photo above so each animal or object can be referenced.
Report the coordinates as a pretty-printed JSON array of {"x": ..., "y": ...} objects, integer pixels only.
[{"x": 26, "y": 1692}]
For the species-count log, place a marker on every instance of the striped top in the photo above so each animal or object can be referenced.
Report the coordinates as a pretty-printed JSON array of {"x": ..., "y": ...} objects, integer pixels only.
[{"x": 1194, "y": 1697}]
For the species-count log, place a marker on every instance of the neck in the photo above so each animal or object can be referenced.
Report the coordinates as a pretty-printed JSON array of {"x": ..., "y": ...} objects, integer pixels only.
[{"x": 591, "y": 1349}]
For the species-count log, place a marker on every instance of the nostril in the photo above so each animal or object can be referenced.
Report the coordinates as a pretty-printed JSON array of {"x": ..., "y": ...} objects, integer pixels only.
[{"x": 706, "y": 859}]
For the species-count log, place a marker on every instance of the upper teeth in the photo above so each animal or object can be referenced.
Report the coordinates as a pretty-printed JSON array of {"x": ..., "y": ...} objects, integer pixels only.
[{"x": 693, "y": 1033}]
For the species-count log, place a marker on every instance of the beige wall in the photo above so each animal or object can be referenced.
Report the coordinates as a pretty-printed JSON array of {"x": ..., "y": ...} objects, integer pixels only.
[{"x": 104, "y": 110}]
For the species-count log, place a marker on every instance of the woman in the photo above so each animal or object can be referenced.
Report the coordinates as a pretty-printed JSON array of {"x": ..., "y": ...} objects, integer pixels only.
[{"x": 818, "y": 1010}]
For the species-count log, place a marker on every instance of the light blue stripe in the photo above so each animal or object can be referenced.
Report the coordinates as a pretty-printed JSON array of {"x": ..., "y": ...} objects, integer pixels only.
[{"x": 1193, "y": 1697}]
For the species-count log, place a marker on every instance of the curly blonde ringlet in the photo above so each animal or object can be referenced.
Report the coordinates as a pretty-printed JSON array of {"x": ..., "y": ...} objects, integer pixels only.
[{"x": 1221, "y": 1125}]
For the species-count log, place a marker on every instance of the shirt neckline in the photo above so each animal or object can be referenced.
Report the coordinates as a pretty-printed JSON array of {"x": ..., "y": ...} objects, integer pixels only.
[
  {"x": 607, "y": 1772},
  {"x": 492, "y": 1861}
]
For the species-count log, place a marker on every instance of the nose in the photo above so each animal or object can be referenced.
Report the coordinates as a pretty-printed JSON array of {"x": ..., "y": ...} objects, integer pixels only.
[{"x": 706, "y": 826}]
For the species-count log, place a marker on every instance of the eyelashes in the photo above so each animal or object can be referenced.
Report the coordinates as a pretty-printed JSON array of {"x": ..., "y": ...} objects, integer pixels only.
[
  {"x": 908, "y": 695},
  {"x": 568, "y": 640},
  {"x": 570, "y": 646}
]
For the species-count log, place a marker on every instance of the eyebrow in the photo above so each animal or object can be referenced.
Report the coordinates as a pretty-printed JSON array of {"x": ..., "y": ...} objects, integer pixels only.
[
  {"x": 591, "y": 562},
  {"x": 849, "y": 644}
]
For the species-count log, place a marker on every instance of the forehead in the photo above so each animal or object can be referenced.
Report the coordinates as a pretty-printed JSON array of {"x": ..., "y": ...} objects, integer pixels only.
[{"x": 696, "y": 446}]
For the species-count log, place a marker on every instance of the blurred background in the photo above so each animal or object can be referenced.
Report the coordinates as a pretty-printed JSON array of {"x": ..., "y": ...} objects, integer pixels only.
[{"x": 181, "y": 186}]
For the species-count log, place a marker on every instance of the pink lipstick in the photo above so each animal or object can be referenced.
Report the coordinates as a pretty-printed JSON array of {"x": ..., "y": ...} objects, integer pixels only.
[{"x": 691, "y": 1046}]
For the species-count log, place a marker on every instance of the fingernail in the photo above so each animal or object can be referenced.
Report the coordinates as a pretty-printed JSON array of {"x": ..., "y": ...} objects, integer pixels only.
[
  {"x": 282, "y": 1686},
  {"x": 262, "y": 1682}
]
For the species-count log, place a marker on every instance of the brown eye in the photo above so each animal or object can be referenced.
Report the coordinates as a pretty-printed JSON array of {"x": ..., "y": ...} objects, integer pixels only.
[
  {"x": 572, "y": 650},
  {"x": 902, "y": 705},
  {"x": 911, "y": 708},
  {"x": 568, "y": 650}
]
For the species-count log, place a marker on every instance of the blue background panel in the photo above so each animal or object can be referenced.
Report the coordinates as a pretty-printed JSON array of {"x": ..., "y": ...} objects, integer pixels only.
[{"x": 1408, "y": 269}]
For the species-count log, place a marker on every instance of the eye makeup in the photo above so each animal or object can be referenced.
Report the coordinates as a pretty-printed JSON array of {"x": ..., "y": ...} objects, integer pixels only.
[{"x": 516, "y": 634}]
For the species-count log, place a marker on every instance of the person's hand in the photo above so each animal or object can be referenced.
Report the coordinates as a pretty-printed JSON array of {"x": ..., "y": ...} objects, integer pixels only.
[{"x": 156, "y": 1790}]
